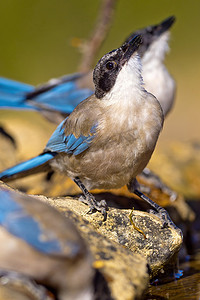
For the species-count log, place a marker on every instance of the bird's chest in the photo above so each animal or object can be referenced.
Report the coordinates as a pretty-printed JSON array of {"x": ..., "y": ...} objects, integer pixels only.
[
  {"x": 118, "y": 155},
  {"x": 122, "y": 141},
  {"x": 133, "y": 128}
]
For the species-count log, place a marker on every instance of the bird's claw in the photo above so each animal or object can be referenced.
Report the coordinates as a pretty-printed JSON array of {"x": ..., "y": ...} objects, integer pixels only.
[
  {"x": 164, "y": 217},
  {"x": 95, "y": 205}
]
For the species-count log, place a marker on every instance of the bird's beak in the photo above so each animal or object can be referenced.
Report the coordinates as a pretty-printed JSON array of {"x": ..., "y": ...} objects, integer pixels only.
[
  {"x": 164, "y": 26},
  {"x": 129, "y": 48}
]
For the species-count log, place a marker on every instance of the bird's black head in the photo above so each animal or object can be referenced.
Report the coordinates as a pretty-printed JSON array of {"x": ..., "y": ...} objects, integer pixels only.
[
  {"x": 151, "y": 33},
  {"x": 109, "y": 66}
]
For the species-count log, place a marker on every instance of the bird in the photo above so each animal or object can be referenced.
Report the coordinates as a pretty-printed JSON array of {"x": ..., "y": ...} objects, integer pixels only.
[
  {"x": 41, "y": 244},
  {"x": 109, "y": 137},
  {"x": 57, "y": 98},
  {"x": 157, "y": 79}
]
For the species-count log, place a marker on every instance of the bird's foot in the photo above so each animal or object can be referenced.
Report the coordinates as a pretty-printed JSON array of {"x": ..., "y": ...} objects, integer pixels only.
[
  {"x": 90, "y": 200},
  {"x": 163, "y": 215},
  {"x": 158, "y": 210},
  {"x": 95, "y": 205}
]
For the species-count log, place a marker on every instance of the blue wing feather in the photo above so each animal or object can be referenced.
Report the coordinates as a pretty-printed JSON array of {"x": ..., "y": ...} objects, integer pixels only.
[
  {"x": 76, "y": 142},
  {"x": 70, "y": 144},
  {"x": 57, "y": 142},
  {"x": 83, "y": 146},
  {"x": 70, "y": 140}
]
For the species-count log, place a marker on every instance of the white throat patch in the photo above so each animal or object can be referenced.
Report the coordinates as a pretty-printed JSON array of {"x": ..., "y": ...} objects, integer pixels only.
[
  {"x": 157, "y": 49},
  {"x": 128, "y": 83}
]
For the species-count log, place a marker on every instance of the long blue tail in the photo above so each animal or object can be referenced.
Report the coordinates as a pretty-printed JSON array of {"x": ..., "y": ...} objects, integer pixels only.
[
  {"x": 61, "y": 95},
  {"x": 29, "y": 167},
  {"x": 13, "y": 94}
]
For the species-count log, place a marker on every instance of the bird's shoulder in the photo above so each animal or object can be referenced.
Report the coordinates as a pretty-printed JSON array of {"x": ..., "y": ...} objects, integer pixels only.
[{"x": 84, "y": 117}]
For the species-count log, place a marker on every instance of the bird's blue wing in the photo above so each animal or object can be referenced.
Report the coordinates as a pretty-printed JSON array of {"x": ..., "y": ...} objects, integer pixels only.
[
  {"x": 15, "y": 219},
  {"x": 69, "y": 144}
]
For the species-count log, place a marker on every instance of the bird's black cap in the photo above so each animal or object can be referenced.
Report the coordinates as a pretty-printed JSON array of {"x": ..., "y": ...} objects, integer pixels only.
[{"x": 109, "y": 66}]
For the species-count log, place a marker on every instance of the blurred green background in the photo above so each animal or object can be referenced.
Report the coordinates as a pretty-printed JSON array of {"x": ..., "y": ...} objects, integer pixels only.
[{"x": 36, "y": 40}]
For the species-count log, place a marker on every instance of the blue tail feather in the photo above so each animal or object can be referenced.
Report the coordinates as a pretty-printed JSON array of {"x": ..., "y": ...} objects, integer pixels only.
[
  {"x": 10, "y": 102},
  {"x": 62, "y": 96},
  {"x": 13, "y": 94},
  {"x": 12, "y": 86},
  {"x": 33, "y": 165}
]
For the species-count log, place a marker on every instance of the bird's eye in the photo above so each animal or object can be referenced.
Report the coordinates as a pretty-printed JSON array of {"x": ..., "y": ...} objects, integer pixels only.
[{"x": 111, "y": 65}]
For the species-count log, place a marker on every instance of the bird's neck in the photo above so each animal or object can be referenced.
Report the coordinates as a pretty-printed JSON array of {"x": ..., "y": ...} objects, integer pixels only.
[
  {"x": 128, "y": 88},
  {"x": 156, "y": 52}
]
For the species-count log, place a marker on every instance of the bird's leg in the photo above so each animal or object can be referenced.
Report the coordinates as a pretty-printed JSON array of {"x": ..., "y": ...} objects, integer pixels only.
[
  {"x": 90, "y": 200},
  {"x": 161, "y": 212}
]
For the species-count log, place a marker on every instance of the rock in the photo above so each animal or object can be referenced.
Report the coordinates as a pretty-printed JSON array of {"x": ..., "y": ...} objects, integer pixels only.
[
  {"x": 160, "y": 245},
  {"x": 126, "y": 274},
  {"x": 123, "y": 275},
  {"x": 31, "y": 233}
]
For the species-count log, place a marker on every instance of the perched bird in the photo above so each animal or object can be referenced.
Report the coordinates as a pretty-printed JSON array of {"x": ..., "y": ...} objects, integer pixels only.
[
  {"x": 109, "y": 138},
  {"x": 39, "y": 243},
  {"x": 156, "y": 77},
  {"x": 57, "y": 98}
]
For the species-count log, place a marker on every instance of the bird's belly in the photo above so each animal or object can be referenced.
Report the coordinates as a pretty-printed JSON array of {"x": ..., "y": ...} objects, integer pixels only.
[{"x": 109, "y": 167}]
